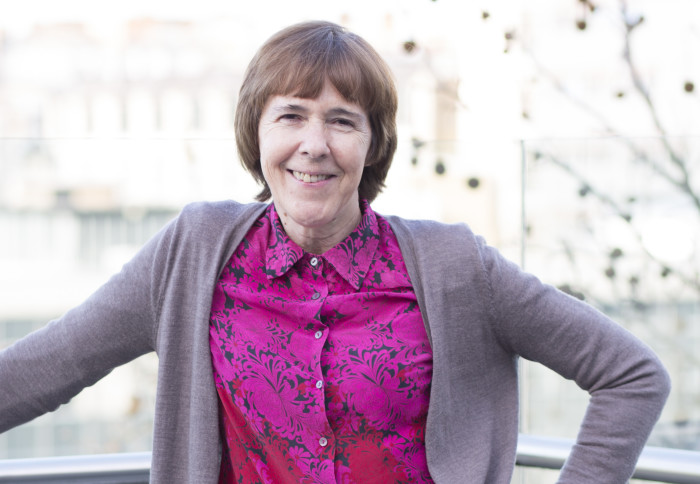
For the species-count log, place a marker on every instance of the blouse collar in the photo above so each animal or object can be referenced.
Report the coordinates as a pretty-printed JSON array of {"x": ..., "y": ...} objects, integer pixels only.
[{"x": 351, "y": 258}]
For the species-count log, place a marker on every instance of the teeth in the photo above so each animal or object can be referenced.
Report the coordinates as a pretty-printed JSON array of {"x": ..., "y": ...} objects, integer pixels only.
[{"x": 306, "y": 178}]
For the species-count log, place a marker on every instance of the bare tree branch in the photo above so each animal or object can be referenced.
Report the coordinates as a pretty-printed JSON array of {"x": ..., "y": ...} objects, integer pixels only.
[
  {"x": 684, "y": 183},
  {"x": 688, "y": 280},
  {"x": 681, "y": 182}
]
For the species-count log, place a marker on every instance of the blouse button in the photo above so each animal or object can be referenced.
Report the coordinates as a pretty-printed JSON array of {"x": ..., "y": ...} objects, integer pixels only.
[
  {"x": 323, "y": 442},
  {"x": 318, "y": 334},
  {"x": 316, "y": 295},
  {"x": 319, "y": 383},
  {"x": 314, "y": 261}
]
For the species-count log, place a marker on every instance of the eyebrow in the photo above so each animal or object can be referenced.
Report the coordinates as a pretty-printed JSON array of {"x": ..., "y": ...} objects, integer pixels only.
[
  {"x": 346, "y": 113},
  {"x": 298, "y": 108}
]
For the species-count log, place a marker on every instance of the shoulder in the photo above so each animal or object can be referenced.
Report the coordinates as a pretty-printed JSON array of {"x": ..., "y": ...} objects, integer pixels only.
[
  {"x": 450, "y": 252},
  {"x": 453, "y": 252},
  {"x": 423, "y": 228},
  {"x": 426, "y": 234},
  {"x": 210, "y": 223},
  {"x": 214, "y": 214}
]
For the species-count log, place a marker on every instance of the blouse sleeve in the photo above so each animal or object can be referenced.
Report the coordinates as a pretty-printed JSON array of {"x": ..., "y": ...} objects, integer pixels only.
[
  {"x": 627, "y": 383},
  {"x": 113, "y": 326}
]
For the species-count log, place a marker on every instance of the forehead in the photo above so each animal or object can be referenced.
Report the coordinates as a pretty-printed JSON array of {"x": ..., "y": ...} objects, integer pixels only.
[{"x": 329, "y": 99}]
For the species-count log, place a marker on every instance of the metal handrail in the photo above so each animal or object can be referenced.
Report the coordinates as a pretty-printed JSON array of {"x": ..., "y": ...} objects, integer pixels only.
[
  {"x": 655, "y": 464},
  {"x": 122, "y": 468}
]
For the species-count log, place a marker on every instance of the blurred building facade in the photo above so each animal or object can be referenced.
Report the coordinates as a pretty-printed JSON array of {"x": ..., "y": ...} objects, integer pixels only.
[{"x": 103, "y": 141}]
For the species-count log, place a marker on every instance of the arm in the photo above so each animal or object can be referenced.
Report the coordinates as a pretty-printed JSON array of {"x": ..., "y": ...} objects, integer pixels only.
[
  {"x": 627, "y": 383},
  {"x": 115, "y": 325}
]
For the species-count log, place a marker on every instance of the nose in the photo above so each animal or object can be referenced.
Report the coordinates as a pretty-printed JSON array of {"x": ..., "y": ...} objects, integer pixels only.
[{"x": 314, "y": 140}]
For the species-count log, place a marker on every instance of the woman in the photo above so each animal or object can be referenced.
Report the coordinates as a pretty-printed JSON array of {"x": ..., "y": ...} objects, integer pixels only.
[{"x": 313, "y": 340}]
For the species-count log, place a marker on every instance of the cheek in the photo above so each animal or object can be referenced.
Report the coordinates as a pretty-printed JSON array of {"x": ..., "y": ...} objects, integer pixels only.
[
  {"x": 370, "y": 154},
  {"x": 356, "y": 149},
  {"x": 364, "y": 155},
  {"x": 266, "y": 165},
  {"x": 265, "y": 170},
  {"x": 366, "y": 150},
  {"x": 276, "y": 145},
  {"x": 269, "y": 156}
]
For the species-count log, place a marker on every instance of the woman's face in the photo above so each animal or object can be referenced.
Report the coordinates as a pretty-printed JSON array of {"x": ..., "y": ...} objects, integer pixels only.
[{"x": 312, "y": 153}]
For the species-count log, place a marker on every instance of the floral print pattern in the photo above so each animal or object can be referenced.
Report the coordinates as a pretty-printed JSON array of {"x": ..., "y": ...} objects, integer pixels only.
[{"x": 321, "y": 362}]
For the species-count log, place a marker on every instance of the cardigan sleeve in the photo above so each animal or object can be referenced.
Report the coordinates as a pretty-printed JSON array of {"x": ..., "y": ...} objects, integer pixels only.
[
  {"x": 113, "y": 326},
  {"x": 627, "y": 383}
]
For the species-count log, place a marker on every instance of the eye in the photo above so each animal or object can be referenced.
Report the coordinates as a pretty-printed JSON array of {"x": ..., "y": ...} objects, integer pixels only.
[
  {"x": 289, "y": 117},
  {"x": 344, "y": 122}
]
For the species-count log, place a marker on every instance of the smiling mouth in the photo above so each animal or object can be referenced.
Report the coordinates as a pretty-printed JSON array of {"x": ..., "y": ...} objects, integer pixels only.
[{"x": 306, "y": 178}]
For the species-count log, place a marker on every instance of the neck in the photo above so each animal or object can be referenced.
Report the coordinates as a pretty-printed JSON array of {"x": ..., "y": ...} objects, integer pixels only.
[{"x": 317, "y": 240}]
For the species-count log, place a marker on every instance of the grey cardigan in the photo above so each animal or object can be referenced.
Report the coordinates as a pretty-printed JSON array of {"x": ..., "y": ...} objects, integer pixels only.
[{"x": 480, "y": 311}]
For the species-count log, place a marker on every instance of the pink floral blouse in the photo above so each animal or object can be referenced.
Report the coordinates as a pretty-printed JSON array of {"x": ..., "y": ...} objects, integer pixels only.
[{"x": 321, "y": 362}]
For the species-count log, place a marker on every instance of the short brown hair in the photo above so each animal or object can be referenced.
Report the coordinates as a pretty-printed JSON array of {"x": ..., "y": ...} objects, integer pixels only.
[{"x": 297, "y": 60}]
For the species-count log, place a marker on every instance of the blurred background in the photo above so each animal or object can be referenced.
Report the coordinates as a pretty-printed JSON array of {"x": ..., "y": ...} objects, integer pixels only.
[{"x": 567, "y": 132}]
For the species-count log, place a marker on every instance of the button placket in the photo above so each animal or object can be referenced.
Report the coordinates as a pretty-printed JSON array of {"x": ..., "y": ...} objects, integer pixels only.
[{"x": 319, "y": 289}]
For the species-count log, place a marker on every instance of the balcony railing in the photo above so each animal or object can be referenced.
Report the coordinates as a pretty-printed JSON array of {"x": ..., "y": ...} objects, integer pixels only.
[{"x": 655, "y": 464}]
